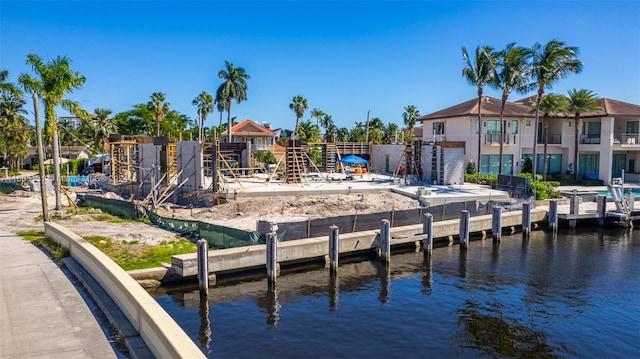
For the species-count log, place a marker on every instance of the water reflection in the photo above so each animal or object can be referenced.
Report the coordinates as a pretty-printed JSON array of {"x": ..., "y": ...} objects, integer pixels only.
[
  {"x": 273, "y": 305},
  {"x": 334, "y": 291},
  {"x": 489, "y": 330},
  {"x": 462, "y": 263},
  {"x": 384, "y": 273},
  {"x": 427, "y": 276},
  {"x": 204, "y": 334},
  {"x": 546, "y": 297}
]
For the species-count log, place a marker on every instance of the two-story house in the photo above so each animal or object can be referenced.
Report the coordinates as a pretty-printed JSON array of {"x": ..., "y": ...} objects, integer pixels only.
[
  {"x": 247, "y": 131},
  {"x": 608, "y": 142}
]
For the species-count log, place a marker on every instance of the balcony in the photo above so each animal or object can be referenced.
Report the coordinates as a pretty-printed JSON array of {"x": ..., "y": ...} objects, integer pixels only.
[
  {"x": 552, "y": 139},
  {"x": 494, "y": 139},
  {"x": 629, "y": 139},
  {"x": 590, "y": 139}
]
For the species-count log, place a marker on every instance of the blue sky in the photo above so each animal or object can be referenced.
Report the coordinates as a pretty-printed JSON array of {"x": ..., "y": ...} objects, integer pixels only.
[{"x": 346, "y": 58}]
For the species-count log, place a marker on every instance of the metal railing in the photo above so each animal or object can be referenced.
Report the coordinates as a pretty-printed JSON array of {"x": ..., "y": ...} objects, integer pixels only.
[
  {"x": 552, "y": 139},
  {"x": 591, "y": 139}
]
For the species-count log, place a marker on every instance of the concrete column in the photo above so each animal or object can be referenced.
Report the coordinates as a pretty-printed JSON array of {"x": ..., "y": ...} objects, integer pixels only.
[
  {"x": 526, "y": 220},
  {"x": 385, "y": 240},
  {"x": 427, "y": 228},
  {"x": 333, "y": 248},
  {"x": 272, "y": 260},
  {"x": 464, "y": 229},
  {"x": 574, "y": 204},
  {"x": 203, "y": 267},
  {"x": 553, "y": 215},
  {"x": 496, "y": 224}
]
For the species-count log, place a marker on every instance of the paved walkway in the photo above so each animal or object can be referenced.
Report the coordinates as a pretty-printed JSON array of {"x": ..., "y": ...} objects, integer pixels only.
[{"x": 42, "y": 314}]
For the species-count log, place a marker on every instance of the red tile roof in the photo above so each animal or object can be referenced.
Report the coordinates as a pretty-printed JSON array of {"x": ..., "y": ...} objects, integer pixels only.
[
  {"x": 523, "y": 108},
  {"x": 490, "y": 107},
  {"x": 250, "y": 128}
]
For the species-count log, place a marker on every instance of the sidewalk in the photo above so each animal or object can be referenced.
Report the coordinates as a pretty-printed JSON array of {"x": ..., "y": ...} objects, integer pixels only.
[{"x": 42, "y": 314}]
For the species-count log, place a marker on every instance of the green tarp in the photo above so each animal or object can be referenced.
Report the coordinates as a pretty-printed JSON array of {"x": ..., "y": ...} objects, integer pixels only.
[
  {"x": 217, "y": 236},
  {"x": 112, "y": 206}
]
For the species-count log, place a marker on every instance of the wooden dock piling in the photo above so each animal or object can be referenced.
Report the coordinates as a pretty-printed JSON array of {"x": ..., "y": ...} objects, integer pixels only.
[
  {"x": 333, "y": 248},
  {"x": 427, "y": 228},
  {"x": 496, "y": 223},
  {"x": 553, "y": 215},
  {"x": 203, "y": 267},
  {"x": 526, "y": 220},
  {"x": 272, "y": 260},
  {"x": 464, "y": 229},
  {"x": 385, "y": 241}
]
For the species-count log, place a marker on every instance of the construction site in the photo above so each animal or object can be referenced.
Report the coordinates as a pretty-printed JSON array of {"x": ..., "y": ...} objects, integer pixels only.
[
  {"x": 154, "y": 170},
  {"x": 352, "y": 185}
]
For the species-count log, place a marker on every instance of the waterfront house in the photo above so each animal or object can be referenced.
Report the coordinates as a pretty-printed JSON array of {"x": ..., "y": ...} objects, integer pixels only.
[
  {"x": 247, "y": 131},
  {"x": 609, "y": 139}
]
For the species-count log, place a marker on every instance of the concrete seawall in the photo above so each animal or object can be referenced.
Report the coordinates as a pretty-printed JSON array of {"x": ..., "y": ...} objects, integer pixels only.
[
  {"x": 221, "y": 260},
  {"x": 159, "y": 331}
]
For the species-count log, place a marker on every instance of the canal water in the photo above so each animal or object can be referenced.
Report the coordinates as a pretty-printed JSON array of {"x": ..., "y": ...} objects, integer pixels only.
[{"x": 575, "y": 296}]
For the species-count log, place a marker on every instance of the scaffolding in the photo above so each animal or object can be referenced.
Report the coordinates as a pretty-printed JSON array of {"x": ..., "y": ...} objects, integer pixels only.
[
  {"x": 172, "y": 163},
  {"x": 124, "y": 161},
  {"x": 296, "y": 164}
]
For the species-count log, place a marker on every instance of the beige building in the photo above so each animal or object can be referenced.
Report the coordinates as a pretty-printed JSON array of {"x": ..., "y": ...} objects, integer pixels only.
[
  {"x": 609, "y": 139},
  {"x": 247, "y": 131}
]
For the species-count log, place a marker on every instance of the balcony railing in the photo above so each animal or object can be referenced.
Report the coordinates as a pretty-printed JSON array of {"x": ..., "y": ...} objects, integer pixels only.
[
  {"x": 591, "y": 139},
  {"x": 494, "y": 139},
  {"x": 629, "y": 139},
  {"x": 552, "y": 139}
]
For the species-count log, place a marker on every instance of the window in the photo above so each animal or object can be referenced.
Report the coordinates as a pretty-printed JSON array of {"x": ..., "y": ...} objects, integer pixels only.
[
  {"x": 632, "y": 127},
  {"x": 589, "y": 165},
  {"x": 489, "y": 164},
  {"x": 514, "y": 127},
  {"x": 493, "y": 126},
  {"x": 477, "y": 127},
  {"x": 527, "y": 122},
  {"x": 438, "y": 128},
  {"x": 554, "y": 162}
]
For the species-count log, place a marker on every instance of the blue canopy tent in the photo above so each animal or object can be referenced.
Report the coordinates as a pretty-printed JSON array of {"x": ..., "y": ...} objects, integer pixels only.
[{"x": 353, "y": 160}]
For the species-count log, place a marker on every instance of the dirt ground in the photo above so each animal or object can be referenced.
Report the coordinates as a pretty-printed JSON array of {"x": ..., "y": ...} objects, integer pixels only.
[
  {"x": 243, "y": 213},
  {"x": 19, "y": 212}
]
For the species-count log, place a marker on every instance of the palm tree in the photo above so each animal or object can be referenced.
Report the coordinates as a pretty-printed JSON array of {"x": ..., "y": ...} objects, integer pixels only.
[
  {"x": 411, "y": 113},
  {"x": 478, "y": 73},
  {"x": 15, "y": 131},
  {"x": 100, "y": 127},
  {"x": 391, "y": 133},
  {"x": 551, "y": 62},
  {"x": 56, "y": 79},
  {"x": 329, "y": 127},
  {"x": 221, "y": 106},
  {"x": 550, "y": 105},
  {"x": 158, "y": 107},
  {"x": 7, "y": 86},
  {"x": 318, "y": 114},
  {"x": 234, "y": 87},
  {"x": 204, "y": 101},
  {"x": 512, "y": 74},
  {"x": 580, "y": 101},
  {"x": 309, "y": 132},
  {"x": 298, "y": 105}
]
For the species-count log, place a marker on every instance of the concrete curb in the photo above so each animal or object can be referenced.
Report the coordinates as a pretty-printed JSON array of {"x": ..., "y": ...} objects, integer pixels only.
[{"x": 159, "y": 331}]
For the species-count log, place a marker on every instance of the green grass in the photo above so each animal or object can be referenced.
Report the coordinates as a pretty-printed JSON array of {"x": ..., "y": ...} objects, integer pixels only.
[
  {"x": 132, "y": 255},
  {"x": 31, "y": 235},
  {"x": 39, "y": 240}
]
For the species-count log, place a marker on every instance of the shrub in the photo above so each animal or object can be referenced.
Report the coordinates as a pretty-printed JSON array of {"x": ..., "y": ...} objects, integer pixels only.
[
  {"x": 471, "y": 168},
  {"x": 266, "y": 157}
]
